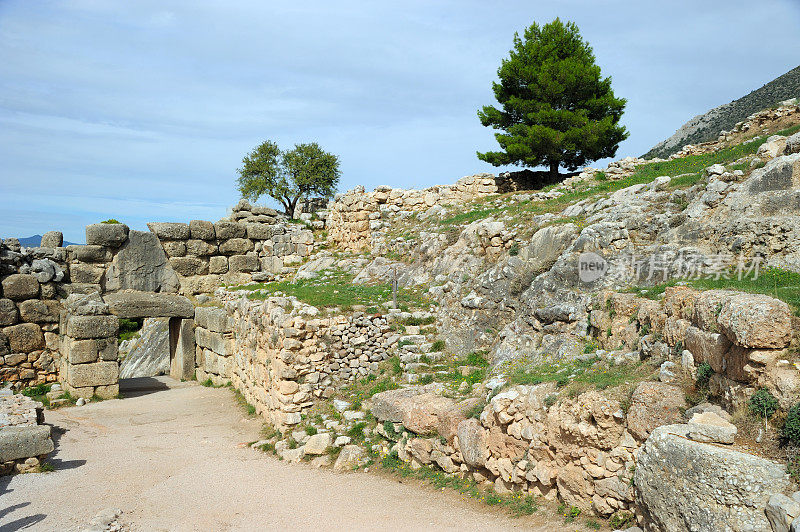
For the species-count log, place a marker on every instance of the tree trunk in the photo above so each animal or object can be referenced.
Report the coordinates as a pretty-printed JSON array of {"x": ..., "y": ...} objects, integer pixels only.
[{"x": 554, "y": 171}]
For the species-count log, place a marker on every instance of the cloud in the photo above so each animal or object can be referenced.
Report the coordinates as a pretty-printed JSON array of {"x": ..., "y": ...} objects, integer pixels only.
[{"x": 143, "y": 110}]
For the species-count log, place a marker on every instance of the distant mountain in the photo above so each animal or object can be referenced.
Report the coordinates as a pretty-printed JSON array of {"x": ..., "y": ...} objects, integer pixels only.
[
  {"x": 706, "y": 127},
  {"x": 35, "y": 241}
]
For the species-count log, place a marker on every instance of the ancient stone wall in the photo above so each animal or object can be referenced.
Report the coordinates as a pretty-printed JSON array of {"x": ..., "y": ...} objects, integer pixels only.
[
  {"x": 352, "y": 216},
  {"x": 31, "y": 285},
  {"x": 282, "y": 356}
]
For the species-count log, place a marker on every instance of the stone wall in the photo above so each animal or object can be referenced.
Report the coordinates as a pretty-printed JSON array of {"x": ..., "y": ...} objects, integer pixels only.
[
  {"x": 24, "y": 438},
  {"x": 31, "y": 285},
  {"x": 282, "y": 356},
  {"x": 352, "y": 216}
]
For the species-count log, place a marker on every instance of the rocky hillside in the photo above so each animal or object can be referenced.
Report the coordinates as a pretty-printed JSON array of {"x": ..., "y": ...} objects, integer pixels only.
[
  {"x": 707, "y": 127},
  {"x": 548, "y": 346}
]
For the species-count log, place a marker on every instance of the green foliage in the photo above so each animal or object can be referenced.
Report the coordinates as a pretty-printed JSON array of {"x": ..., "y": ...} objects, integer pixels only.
[
  {"x": 426, "y": 379},
  {"x": 396, "y": 365},
  {"x": 129, "y": 328},
  {"x": 438, "y": 346},
  {"x": 550, "y": 400},
  {"x": 622, "y": 519},
  {"x": 594, "y": 525},
  {"x": 578, "y": 374},
  {"x": 475, "y": 411},
  {"x": 311, "y": 430},
  {"x": 762, "y": 403},
  {"x": 46, "y": 467},
  {"x": 356, "y": 432},
  {"x": 514, "y": 250},
  {"x": 556, "y": 108},
  {"x": 110, "y": 221},
  {"x": 335, "y": 289},
  {"x": 791, "y": 427},
  {"x": 288, "y": 176},
  {"x": 477, "y": 358},
  {"x": 704, "y": 373},
  {"x": 601, "y": 176},
  {"x": 382, "y": 385},
  {"x": 419, "y": 321},
  {"x": 36, "y": 391}
]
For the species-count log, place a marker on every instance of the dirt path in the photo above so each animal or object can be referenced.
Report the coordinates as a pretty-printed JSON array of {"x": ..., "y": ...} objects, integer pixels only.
[{"x": 177, "y": 460}]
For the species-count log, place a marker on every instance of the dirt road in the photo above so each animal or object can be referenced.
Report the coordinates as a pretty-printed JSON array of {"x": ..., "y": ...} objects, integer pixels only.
[{"x": 177, "y": 460}]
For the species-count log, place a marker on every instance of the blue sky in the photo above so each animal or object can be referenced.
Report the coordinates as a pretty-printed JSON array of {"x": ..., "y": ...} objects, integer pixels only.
[{"x": 142, "y": 111}]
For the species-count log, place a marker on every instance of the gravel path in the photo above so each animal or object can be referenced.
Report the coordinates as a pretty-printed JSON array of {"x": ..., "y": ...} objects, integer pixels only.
[{"x": 177, "y": 460}]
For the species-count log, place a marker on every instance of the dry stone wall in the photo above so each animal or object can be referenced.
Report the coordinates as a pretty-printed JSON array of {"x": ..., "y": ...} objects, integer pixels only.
[
  {"x": 352, "y": 216},
  {"x": 282, "y": 355}
]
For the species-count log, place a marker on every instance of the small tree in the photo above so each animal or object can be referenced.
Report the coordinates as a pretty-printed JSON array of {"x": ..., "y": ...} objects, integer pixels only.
[
  {"x": 555, "y": 108},
  {"x": 288, "y": 176}
]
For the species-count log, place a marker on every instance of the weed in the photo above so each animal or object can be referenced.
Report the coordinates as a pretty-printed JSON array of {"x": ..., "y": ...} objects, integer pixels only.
[
  {"x": 438, "y": 346},
  {"x": 46, "y": 467},
  {"x": 311, "y": 430},
  {"x": 396, "y": 365}
]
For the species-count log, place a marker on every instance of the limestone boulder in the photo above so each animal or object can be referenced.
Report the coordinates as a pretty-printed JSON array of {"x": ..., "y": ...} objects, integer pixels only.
[
  {"x": 9, "y": 315},
  {"x": 52, "y": 239},
  {"x": 472, "y": 443},
  {"x": 170, "y": 231},
  {"x": 318, "y": 443},
  {"x": 141, "y": 264},
  {"x": 137, "y": 304},
  {"x": 418, "y": 408},
  {"x": 350, "y": 457},
  {"x": 40, "y": 311},
  {"x": 654, "y": 404},
  {"x": 214, "y": 319},
  {"x": 756, "y": 321},
  {"x": 19, "y": 286},
  {"x": 85, "y": 327},
  {"x": 93, "y": 374},
  {"x": 24, "y": 337},
  {"x": 685, "y": 485},
  {"x": 201, "y": 230},
  {"x": 109, "y": 235},
  {"x": 26, "y": 441}
]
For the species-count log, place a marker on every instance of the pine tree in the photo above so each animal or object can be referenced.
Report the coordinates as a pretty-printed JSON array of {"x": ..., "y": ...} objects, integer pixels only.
[{"x": 555, "y": 107}]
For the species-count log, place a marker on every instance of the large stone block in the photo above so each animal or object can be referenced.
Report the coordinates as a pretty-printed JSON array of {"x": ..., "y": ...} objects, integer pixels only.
[
  {"x": 85, "y": 273},
  {"x": 200, "y": 248},
  {"x": 707, "y": 347},
  {"x": 244, "y": 263},
  {"x": 259, "y": 231},
  {"x": 20, "y": 286},
  {"x": 201, "y": 230},
  {"x": 80, "y": 351},
  {"x": 781, "y": 173},
  {"x": 756, "y": 321},
  {"x": 27, "y": 441},
  {"x": 137, "y": 304},
  {"x": 214, "y": 319},
  {"x": 187, "y": 266},
  {"x": 82, "y": 327},
  {"x": 211, "y": 340},
  {"x": 110, "y": 235},
  {"x": 94, "y": 374},
  {"x": 236, "y": 246},
  {"x": 24, "y": 338},
  {"x": 684, "y": 485},
  {"x": 654, "y": 404},
  {"x": 169, "y": 231},
  {"x": 182, "y": 363},
  {"x": 227, "y": 230},
  {"x": 218, "y": 264},
  {"x": 174, "y": 248},
  {"x": 472, "y": 442},
  {"x": 89, "y": 253},
  {"x": 141, "y": 264},
  {"x": 52, "y": 239},
  {"x": 8, "y": 313},
  {"x": 40, "y": 311},
  {"x": 418, "y": 408}
]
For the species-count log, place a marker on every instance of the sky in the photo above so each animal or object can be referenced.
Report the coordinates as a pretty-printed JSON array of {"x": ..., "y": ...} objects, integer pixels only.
[{"x": 142, "y": 111}]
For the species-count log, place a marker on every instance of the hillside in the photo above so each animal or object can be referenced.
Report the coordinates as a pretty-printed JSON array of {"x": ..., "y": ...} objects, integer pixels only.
[{"x": 706, "y": 127}]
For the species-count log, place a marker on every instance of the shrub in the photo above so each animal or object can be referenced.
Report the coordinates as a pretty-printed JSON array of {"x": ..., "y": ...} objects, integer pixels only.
[
  {"x": 111, "y": 221},
  {"x": 514, "y": 250},
  {"x": 704, "y": 373},
  {"x": 622, "y": 519},
  {"x": 438, "y": 346},
  {"x": 311, "y": 430},
  {"x": 763, "y": 404},
  {"x": 791, "y": 427}
]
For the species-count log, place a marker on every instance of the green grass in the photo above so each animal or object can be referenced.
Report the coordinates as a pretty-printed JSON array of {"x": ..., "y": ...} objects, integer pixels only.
[
  {"x": 517, "y": 504},
  {"x": 579, "y": 375},
  {"x": 776, "y": 282},
  {"x": 468, "y": 217},
  {"x": 38, "y": 393},
  {"x": 129, "y": 328},
  {"x": 336, "y": 289}
]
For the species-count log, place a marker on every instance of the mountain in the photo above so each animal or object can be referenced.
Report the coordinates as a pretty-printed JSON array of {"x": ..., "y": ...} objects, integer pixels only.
[
  {"x": 706, "y": 127},
  {"x": 35, "y": 240}
]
